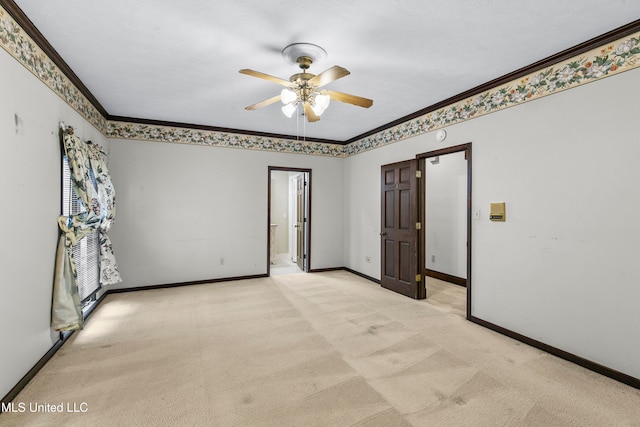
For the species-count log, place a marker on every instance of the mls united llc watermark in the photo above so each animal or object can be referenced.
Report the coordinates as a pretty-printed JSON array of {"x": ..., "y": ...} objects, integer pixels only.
[{"x": 67, "y": 407}]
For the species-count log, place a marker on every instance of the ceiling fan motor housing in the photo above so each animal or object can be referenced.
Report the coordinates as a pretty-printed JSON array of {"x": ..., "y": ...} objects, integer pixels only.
[{"x": 304, "y": 62}]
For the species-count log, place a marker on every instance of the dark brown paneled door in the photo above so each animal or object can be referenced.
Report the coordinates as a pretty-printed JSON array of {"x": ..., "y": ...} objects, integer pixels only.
[
  {"x": 399, "y": 229},
  {"x": 301, "y": 221}
]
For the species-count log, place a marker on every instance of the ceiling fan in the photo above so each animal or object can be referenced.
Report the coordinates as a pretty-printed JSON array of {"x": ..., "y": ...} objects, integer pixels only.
[{"x": 305, "y": 88}]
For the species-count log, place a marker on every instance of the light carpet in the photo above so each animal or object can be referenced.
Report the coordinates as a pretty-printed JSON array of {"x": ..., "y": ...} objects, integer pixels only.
[{"x": 325, "y": 349}]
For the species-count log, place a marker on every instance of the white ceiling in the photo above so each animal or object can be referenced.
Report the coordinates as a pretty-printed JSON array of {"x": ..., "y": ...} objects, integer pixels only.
[{"x": 179, "y": 61}]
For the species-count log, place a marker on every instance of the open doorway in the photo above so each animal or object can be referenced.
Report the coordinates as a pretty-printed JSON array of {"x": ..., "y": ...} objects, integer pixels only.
[
  {"x": 446, "y": 239},
  {"x": 289, "y": 220}
]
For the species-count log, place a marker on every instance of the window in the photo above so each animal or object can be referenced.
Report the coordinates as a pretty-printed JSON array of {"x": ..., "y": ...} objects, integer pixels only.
[{"x": 86, "y": 252}]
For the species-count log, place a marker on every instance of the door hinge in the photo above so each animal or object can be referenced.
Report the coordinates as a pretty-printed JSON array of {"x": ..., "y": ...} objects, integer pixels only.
[
  {"x": 418, "y": 174},
  {"x": 418, "y": 226},
  {"x": 418, "y": 277}
]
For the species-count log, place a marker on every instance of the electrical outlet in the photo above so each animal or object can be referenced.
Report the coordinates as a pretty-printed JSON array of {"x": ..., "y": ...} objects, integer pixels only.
[
  {"x": 433, "y": 258},
  {"x": 221, "y": 261},
  {"x": 367, "y": 259}
]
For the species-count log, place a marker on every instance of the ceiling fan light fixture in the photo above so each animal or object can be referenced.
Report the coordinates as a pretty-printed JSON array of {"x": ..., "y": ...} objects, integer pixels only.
[
  {"x": 321, "y": 103},
  {"x": 305, "y": 88},
  {"x": 288, "y": 96},
  {"x": 289, "y": 109}
]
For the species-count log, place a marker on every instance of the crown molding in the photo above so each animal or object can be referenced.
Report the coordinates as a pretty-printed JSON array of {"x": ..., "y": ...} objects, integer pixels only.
[
  {"x": 549, "y": 61},
  {"x": 30, "y": 29},
  {"x": 589, "y": 61}
]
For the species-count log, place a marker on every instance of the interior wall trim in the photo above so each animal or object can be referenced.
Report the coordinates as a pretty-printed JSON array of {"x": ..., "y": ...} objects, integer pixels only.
[
  {"x": 357, "y": 273},
  {"x": 179, "y": 284},
  {"x": 603, "y": 56},
  {"x": 446, "y": 277},
  {"x": 114, "y": 126},
  {"x": 599, "y": 41},
  {"x": 467, "y": 149},
  {"x": 211, "y": 138},
  {"x": 20, "y": 38},
  {"x": 13, "y": 393},
  {"x": 326, "y": 269},
  {"x": 585, "y": 363},
  {"x": 531, "y": 83},
  {"x": 309, "y": 197},
  {"x": 30, "y": 29},
  {"x": 63, "y": 337},
  {"x": 603, "y": 370}
]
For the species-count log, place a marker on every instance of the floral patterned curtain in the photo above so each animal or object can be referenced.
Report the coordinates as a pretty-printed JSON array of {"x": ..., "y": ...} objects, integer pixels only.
[
  {"x": 99, "y": 200},
  {"x": 109, "y": 273}
]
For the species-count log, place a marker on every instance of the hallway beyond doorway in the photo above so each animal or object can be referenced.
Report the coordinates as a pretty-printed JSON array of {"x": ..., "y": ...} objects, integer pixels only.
[
  {"x": 283, "y": 264},
  {"x": 289, "y": 216},
  {"x": 447, "y": 296}
]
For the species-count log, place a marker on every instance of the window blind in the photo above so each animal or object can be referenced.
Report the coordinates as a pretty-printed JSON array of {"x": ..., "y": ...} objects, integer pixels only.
[{"x": 86, "y": 252}]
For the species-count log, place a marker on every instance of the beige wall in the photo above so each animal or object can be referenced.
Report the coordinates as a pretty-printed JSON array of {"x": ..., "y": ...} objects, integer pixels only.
[
  {"x": 30, "y": 189},
  {"x": 561, "y": 269},
  {"x": 183, "y": 207}
]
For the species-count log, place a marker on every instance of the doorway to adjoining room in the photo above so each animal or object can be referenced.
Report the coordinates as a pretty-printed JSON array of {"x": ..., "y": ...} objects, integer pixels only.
[
  {"x": 425, "y": 228},
  {"x": 447, "y": 234},
  {"x": 289, "y": 220}
]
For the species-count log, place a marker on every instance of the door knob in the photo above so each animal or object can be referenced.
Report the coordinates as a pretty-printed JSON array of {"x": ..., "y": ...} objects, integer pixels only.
[{"x": 384, "y": 233}]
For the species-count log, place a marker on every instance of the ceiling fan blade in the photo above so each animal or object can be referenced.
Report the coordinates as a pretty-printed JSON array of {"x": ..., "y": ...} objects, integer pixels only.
[
  {"x": 311, "y": 116},
  {"x": 263, "y": 103},
  {"x": 350, "y": 99},
  {"x": 330, "y": 75},
  {"x": 269, "y": 77}
]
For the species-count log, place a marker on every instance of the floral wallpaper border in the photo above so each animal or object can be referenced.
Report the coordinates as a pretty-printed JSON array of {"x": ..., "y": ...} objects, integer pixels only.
[
  {"x": 605, "y": 61},
  {"x": 621, "y": 55},
  {"x": 125, "y": 130},
  {"x": 18, "y": 44}
]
